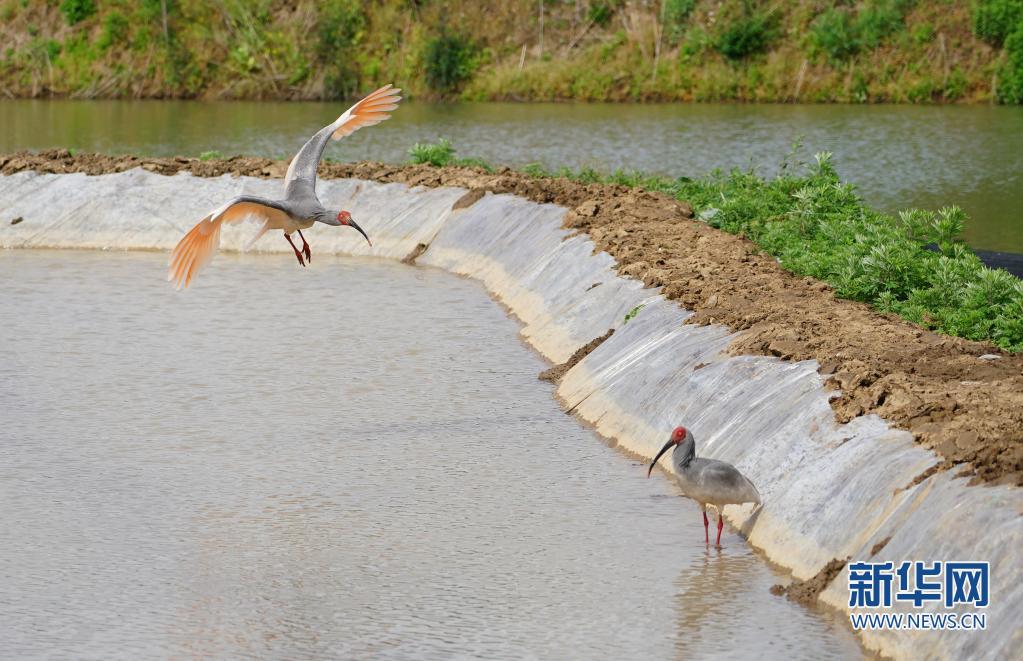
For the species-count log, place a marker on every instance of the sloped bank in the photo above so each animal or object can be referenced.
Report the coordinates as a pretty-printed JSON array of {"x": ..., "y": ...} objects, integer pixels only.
[{"x": 832, "y": 490}]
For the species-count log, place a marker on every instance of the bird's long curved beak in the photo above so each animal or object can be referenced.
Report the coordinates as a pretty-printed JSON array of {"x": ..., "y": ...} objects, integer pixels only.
[
  {"x": 654, "y": 462},
  {"x": 352, "y": 223}
]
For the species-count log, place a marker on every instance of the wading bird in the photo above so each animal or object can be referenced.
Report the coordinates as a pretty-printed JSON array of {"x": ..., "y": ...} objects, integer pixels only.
[
  {"x": 300, "y": 207},
  {"x": 707, "y": 481}
]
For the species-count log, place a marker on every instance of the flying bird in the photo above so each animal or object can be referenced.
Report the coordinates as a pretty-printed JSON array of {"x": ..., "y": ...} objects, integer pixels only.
[
  {"x": 707, "y": 481},
  {"x": 300, "y": 207}
]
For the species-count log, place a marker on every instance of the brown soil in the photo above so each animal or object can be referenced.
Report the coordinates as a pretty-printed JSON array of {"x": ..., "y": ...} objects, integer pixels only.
[
  {"x": 555, "y": 373},
  {"x": 806, "y": 592},
  {"x": 968, "y": 410},
  {"x": 876, "y": 548}
]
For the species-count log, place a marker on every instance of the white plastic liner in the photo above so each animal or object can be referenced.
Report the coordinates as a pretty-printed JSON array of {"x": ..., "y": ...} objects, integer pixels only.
[{"x": 830, "y": 490}]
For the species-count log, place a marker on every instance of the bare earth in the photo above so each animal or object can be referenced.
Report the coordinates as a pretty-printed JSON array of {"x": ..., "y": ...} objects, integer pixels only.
[{"x": 968, "y": 409}]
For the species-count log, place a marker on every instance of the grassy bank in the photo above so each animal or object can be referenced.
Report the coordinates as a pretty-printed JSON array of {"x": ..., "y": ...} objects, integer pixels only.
[
  {"x": 610, "y": 50},
  {"x": 912, "y": 265}
]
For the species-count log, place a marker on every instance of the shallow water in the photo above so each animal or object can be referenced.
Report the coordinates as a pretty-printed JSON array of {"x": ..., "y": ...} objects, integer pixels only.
[
  {"x": 350, "y": 460},
  {"x": 899, "y": 156}
]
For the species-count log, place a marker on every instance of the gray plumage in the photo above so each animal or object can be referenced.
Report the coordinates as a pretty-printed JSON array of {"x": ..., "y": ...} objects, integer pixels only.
[
  {"x": 298, "y": 210},
  {"x": 707, "y": 481}
]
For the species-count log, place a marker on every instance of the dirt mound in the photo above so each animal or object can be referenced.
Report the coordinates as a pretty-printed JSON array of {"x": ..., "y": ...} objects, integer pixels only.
[
  {"x": 806, "y": 592},
  {"x": 963, "y": 399},
  {"x": 554, "y": 374}
]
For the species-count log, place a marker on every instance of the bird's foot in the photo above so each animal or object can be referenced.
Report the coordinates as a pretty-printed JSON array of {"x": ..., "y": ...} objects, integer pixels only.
[
  {"x": 308, "y": 253},
  {"x": 298, "y": 255}
]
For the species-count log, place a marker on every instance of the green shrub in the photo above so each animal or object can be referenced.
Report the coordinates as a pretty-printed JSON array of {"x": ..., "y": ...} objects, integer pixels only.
[
  {"x": 1010, "y": 83},
  {"x": 115, "y": 29},
  {"x": 923, "y": 34},
  {"x": 995, "y": 20},
  {"x": 879, "y": 19},
  {"x": 441, "y": 154},
  {"x": 75, "y": 11},
  {"x": 746, "y": 35},
  {"x": 833, "y": 33},
  {"x": 340, "y": 23},
  {"x": 839, "y": 34},
  {"x": 602, "y": 11},
  {"x": 449, "y": 60},
  {"x": 674, "y": 17},
  {"x": 340, "y": 26}
]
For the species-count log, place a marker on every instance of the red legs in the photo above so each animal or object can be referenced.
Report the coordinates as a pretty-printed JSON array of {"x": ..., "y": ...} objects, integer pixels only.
[
  {"x": 305, "y": 248},
  {"x": 706, "y": 525},
  {"x": 297, "y": 253},
  {"x": 721, "y": 524}
]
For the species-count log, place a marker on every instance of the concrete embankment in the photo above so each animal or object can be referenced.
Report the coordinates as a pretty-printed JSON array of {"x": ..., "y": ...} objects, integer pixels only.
[{"x": 832, "y": 490}]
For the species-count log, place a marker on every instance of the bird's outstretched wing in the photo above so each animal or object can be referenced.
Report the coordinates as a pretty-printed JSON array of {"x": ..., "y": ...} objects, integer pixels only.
[
  {"x": 197, "y": 248},
  {"x": 375, "y": 108}
]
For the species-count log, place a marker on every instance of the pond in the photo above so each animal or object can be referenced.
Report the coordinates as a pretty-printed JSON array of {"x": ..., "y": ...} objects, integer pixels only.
[{"x": 346, "y": 461}]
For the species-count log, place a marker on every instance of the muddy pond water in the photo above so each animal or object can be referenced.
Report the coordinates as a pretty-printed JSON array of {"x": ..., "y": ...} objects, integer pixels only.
[
  {"x": 352, "y": 460},
  {"x": 898, "y": 156}
]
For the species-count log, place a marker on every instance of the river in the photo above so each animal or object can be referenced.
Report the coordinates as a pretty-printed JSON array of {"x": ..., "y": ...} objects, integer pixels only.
[
  {"x": 347, "y": 461},
  {"x": 898, "y": 156}
]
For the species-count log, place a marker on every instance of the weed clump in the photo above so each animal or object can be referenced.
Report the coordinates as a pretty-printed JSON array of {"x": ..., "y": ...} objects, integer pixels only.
[
  {"x": 340, "y": 27},
  {"x": 840, "y": 34},
  {"x": 995, "y": 20},
  {"x": 1011, "y": 86},
  {"x": 450, "y": 60},
  {"x": 76, "y": 11},
  {"x": 601, "y": 12},
  {"x": 747, "y": 34},
  {"x": 442, "y": 154}
]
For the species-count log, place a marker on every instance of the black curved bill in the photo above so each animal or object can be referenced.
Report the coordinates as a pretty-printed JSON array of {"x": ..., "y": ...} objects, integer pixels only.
[
  {"x": 654, "y": 462},
  {"x": 352, "y": 223}
]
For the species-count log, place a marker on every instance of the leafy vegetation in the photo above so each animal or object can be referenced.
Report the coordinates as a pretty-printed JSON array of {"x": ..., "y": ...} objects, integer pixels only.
[
  {"x": 601, "y": 12},
  {"x": 995, "y": 20},
  {"x": 675, "y": 15},
  {"x": 631, "y": 314},
  {"x": 916, "y": 51},
  {"x": 441, "y": 154},
  {"x": 746, "y": 34},
  {"x": 75, "y": 11},
  {"x": 338, "y": 34},
  {"x": 1011, "y": 88},
  {"x": 913, "y": 265},
  {"x": 840, "y": 33},
  {"x": 450, "y": 60},
  {"x": 1000, "y": 22}
]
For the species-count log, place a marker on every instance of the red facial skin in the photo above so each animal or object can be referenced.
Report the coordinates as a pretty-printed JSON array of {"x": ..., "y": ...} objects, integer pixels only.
[
  {"x": 344, "y": 217},
  {"x": 677, "y": 437}
]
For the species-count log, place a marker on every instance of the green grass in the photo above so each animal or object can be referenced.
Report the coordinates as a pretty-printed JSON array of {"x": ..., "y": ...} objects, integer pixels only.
[
  {"x": 441, "y": 154},
  {"x": 818, "y": 226},
  {"x": 631, "y": 314}
]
